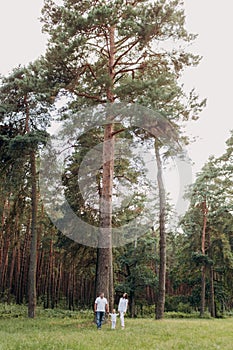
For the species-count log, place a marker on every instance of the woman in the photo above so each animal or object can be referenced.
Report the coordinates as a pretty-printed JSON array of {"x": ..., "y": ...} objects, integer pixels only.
[{"x": 122, "y": 308}]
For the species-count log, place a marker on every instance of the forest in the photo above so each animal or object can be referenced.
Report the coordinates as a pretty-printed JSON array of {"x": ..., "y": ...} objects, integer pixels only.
[{"x": 110, "y": 81}]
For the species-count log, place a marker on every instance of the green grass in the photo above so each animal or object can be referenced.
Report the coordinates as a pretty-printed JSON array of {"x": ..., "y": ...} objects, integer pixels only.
[{"x": 64, "y": 330}]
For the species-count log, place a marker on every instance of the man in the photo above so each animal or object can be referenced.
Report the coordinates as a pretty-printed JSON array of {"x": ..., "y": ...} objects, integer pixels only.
[{"x": 100, "y": 307}]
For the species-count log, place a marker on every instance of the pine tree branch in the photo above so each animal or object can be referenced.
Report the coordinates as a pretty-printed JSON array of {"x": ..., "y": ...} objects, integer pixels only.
[
  {"x": 128, "y": 70},
  {"x": 122, "y": 41},
  {"x": 117, "y": 132},
  {"x": 123, "y": 177},
  {"x": 83, "y": 94},
  {"x": 91, "y": 70},
  {"x": 125, "y": 52},
  {"x": 101, "y": 50}
]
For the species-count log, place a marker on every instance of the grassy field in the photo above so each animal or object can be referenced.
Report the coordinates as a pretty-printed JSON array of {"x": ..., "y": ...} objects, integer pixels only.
[{"x": 78, "y": 332}]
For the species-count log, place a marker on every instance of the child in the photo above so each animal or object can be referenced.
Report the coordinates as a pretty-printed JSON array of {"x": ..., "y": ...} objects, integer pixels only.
[{"x": 113, "y": 318}]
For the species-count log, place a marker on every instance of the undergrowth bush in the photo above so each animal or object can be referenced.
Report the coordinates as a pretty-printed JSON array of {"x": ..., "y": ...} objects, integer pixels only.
[
  {"x": 12, "y": 310},
  {"x": 17, "y": 311},
  {"x": 20, "y": 311}
]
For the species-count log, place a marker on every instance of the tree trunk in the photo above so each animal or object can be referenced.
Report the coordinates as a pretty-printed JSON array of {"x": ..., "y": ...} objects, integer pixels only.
[
  {"x": 104, "y": 269},
  {"x": 212, "y": 298},
  {"x": 46, "y": 286},
  {"x": 162, "y": 241},
  {"x": 203, "y": 269},
  {"x": 22, "y": 264},
  {"x": 4, "y": 243},
  {"x": 111, "y": 281},
  {"x": 12, "y": 266},
  {"x": 203, "y": 285},
  {"x": 5, "y": 259},
  {"x": 40, "y": 265},
  {"x": 58, "y": 284},
  {"x": 33, "y": 248},
  {"x": 104, "y": 276},
  {"x": 132, "y": 310},
  {"x": 17, "y": 272}
]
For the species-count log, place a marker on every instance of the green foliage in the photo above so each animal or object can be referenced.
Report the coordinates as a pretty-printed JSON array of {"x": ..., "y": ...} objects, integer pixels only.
[
  {"x": 79, "y": 58},
  {"x": 178, "y": 303},
  {"x": 23, "y": 144},
  {"x": 12, "y": 311},
  {"x": 26, "y": 114},
  {"x": 213, "y": 187},
  {"x": 182, "y": 315},
  {"x": 130, "y": 183},
  {"x": 136, "y": 264},
  {"x": 201, "y": 259}
]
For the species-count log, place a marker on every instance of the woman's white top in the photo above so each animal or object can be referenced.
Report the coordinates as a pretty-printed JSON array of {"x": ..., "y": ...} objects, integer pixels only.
[{"x": 122, "y": 306}]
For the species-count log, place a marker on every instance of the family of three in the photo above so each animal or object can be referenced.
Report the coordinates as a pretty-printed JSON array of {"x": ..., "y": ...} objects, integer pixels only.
[{"x": 101, "y": 307}]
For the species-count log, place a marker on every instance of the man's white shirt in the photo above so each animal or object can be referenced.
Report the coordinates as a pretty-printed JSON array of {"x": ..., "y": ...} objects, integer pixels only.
[{"x": 101, "y": 304}]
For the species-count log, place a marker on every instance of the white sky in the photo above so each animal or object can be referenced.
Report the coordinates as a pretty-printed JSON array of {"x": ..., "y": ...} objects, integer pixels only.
[
  {"x": 212, "y": 20},
  {"x": 21, "y": 41}
]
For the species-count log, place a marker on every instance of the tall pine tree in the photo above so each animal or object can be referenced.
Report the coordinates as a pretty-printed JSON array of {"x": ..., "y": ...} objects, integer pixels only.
[{"x": 108, "y": 51}]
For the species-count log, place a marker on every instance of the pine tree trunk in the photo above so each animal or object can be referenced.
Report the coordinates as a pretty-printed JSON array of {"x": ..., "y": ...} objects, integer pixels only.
[
  {"x": 13, "y": 259},
  {"x": 1, "y": 257},
  {"x": 212, "y": 298},
  {"x": 59, "y": 281},
  {"x": 40, "y": 229},
  {"x": 17, "y": 273},
  {"x": 203, "y": 268},
  {"x": 162, "y": 242},
  {"x": 111, "y": 281},
  {"x": 203, "y": 287},
  {"x": 4, "y": 238},
  {"x": 40, "y": 261},
  {"x": 10, "y": 281},
  {"x": 33, "y": 248},
  {"x": 46, "y": 286},
  {"x": 104, "y": 270},
  {"x": 132, "y": 310},
  {"x": 50, "y": 286},
  {"x": 5, "y": 258},
  {"x": 104, "y": 256},
  {"x": 22, "y": 267}
]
